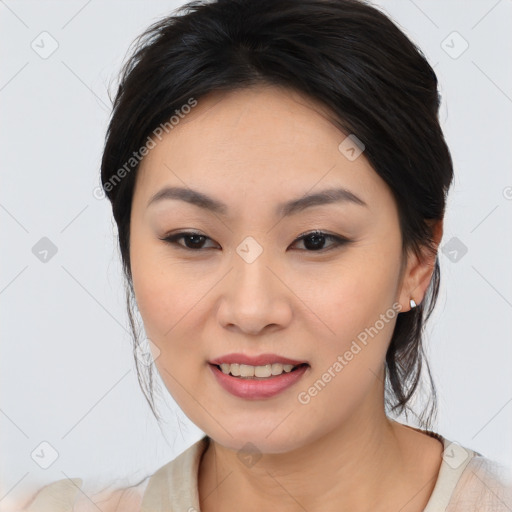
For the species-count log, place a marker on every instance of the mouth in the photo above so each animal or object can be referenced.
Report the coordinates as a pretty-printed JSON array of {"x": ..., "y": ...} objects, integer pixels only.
[
  {"x": 263, "y": 372},
  {"x": 258, "y": 382}
]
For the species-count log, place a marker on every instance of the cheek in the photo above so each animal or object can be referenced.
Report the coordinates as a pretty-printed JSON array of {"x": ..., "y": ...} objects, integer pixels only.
[
  {"x": 163, "y": 291},
  {"x": 161, "y": 294},
  {"x": 167, "y": 311},
  {"x": 355, "y": 306},
  {"x": 351, "y": 296},
  {"x": 172, "y": 301}
]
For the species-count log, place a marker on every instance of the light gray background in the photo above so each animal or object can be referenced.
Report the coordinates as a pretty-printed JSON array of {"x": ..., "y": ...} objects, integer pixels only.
[{"x": 66, "y": 367}]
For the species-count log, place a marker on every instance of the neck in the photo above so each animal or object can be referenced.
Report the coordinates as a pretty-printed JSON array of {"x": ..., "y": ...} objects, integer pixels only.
[{"x": 358, "y": 467}]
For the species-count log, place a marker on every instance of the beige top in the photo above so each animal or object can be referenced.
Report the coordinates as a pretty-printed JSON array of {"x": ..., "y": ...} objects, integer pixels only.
[{"x": 467, "y": 482}]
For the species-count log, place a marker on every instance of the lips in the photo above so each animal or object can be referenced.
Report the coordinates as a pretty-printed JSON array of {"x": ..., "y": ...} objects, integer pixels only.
[
  {"x": 259, "y": 360},
  {"x": 258, "y": 388}
]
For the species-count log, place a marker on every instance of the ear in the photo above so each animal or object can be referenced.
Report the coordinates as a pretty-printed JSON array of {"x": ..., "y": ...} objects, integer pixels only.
[{"x": 418, "y": 271}]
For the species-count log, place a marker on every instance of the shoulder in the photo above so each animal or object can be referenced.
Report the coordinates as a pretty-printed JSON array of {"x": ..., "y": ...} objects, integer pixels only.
[
  {"x": 176, "y": 480},
  {"x": 56, "y": 496},
  {"x": 484, "y": 485},
  {"x": 69, "y": 495},
  {"x": 467, "y": 481},
  {"x": 174, "y": 486}
]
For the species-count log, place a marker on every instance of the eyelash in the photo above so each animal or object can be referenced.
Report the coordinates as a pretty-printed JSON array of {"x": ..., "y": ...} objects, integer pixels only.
[{"x": 338, "y": 241}]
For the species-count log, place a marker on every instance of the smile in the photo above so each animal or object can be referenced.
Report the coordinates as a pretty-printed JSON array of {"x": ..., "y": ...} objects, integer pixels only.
[
  {"x": 257, "y": 382},
  {"x": 247, "y": 371}
]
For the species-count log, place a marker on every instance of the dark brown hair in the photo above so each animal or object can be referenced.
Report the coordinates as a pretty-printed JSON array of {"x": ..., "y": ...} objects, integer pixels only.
[{"x": 345, "y": 54}]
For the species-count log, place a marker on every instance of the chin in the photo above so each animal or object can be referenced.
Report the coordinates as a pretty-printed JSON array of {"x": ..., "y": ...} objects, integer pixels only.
[{"x": 254, "y": 437}]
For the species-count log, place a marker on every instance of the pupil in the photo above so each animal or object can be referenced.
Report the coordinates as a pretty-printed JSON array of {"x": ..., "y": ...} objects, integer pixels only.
[
  {"x": 196, "y": 240},
  {"x": 316, "y": 244}
]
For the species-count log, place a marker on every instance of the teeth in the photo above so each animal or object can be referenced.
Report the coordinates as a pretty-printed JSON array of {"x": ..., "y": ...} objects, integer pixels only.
[{"x": 248, "y": 371}]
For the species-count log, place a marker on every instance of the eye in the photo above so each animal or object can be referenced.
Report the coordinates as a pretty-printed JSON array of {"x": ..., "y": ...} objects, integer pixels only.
[
  {"x": 193, "y": 241},
  {"x": 314, "y": 241}
]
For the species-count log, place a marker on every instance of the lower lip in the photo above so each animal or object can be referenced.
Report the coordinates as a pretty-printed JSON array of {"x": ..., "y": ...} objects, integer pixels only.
[{"x": 257, "y": 389}]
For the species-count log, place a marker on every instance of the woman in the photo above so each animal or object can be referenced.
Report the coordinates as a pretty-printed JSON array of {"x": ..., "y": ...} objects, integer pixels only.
[{"x": 279, "y": 177}]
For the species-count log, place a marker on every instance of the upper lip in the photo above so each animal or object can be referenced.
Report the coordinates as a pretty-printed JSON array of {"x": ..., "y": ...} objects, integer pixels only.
[{"x": 259, "y": 360}]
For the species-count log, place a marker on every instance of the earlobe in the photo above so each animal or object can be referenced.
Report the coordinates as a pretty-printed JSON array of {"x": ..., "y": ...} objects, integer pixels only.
[
  {"x": 420, "y": 270},
  {"x": 420, "y": 277}
]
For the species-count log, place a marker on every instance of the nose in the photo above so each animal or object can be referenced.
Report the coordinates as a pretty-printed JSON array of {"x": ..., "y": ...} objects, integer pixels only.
[{"x": 254, "y": 296}]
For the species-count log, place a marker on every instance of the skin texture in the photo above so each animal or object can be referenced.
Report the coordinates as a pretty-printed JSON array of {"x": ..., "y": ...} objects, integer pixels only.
[{"x": 253, "y": 149}]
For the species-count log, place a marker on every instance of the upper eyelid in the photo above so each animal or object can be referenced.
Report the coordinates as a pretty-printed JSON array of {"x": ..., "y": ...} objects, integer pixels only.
[
  {"x": 302, "y": 235},
  {"x": 338, "y": 239}
]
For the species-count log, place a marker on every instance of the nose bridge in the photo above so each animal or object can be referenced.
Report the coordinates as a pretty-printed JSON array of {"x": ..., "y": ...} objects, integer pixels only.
[
  {"x": 251, "y": 274},
  {"x": 254, "y": 297}
]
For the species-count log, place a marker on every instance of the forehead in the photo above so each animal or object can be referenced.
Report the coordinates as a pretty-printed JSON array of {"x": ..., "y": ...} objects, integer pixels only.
[{"x": 259, "y": 141}]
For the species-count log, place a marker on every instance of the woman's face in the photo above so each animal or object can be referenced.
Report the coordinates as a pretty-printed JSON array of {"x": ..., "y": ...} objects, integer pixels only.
[{"x": 249, "y": 284}]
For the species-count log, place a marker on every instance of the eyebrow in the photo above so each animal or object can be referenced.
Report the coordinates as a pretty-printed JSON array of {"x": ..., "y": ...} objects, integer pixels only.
[{"x": 194, "y": 197}]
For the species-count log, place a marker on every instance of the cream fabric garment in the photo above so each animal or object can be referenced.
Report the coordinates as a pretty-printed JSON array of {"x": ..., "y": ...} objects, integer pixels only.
[{"x": 467, "y": 482}]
